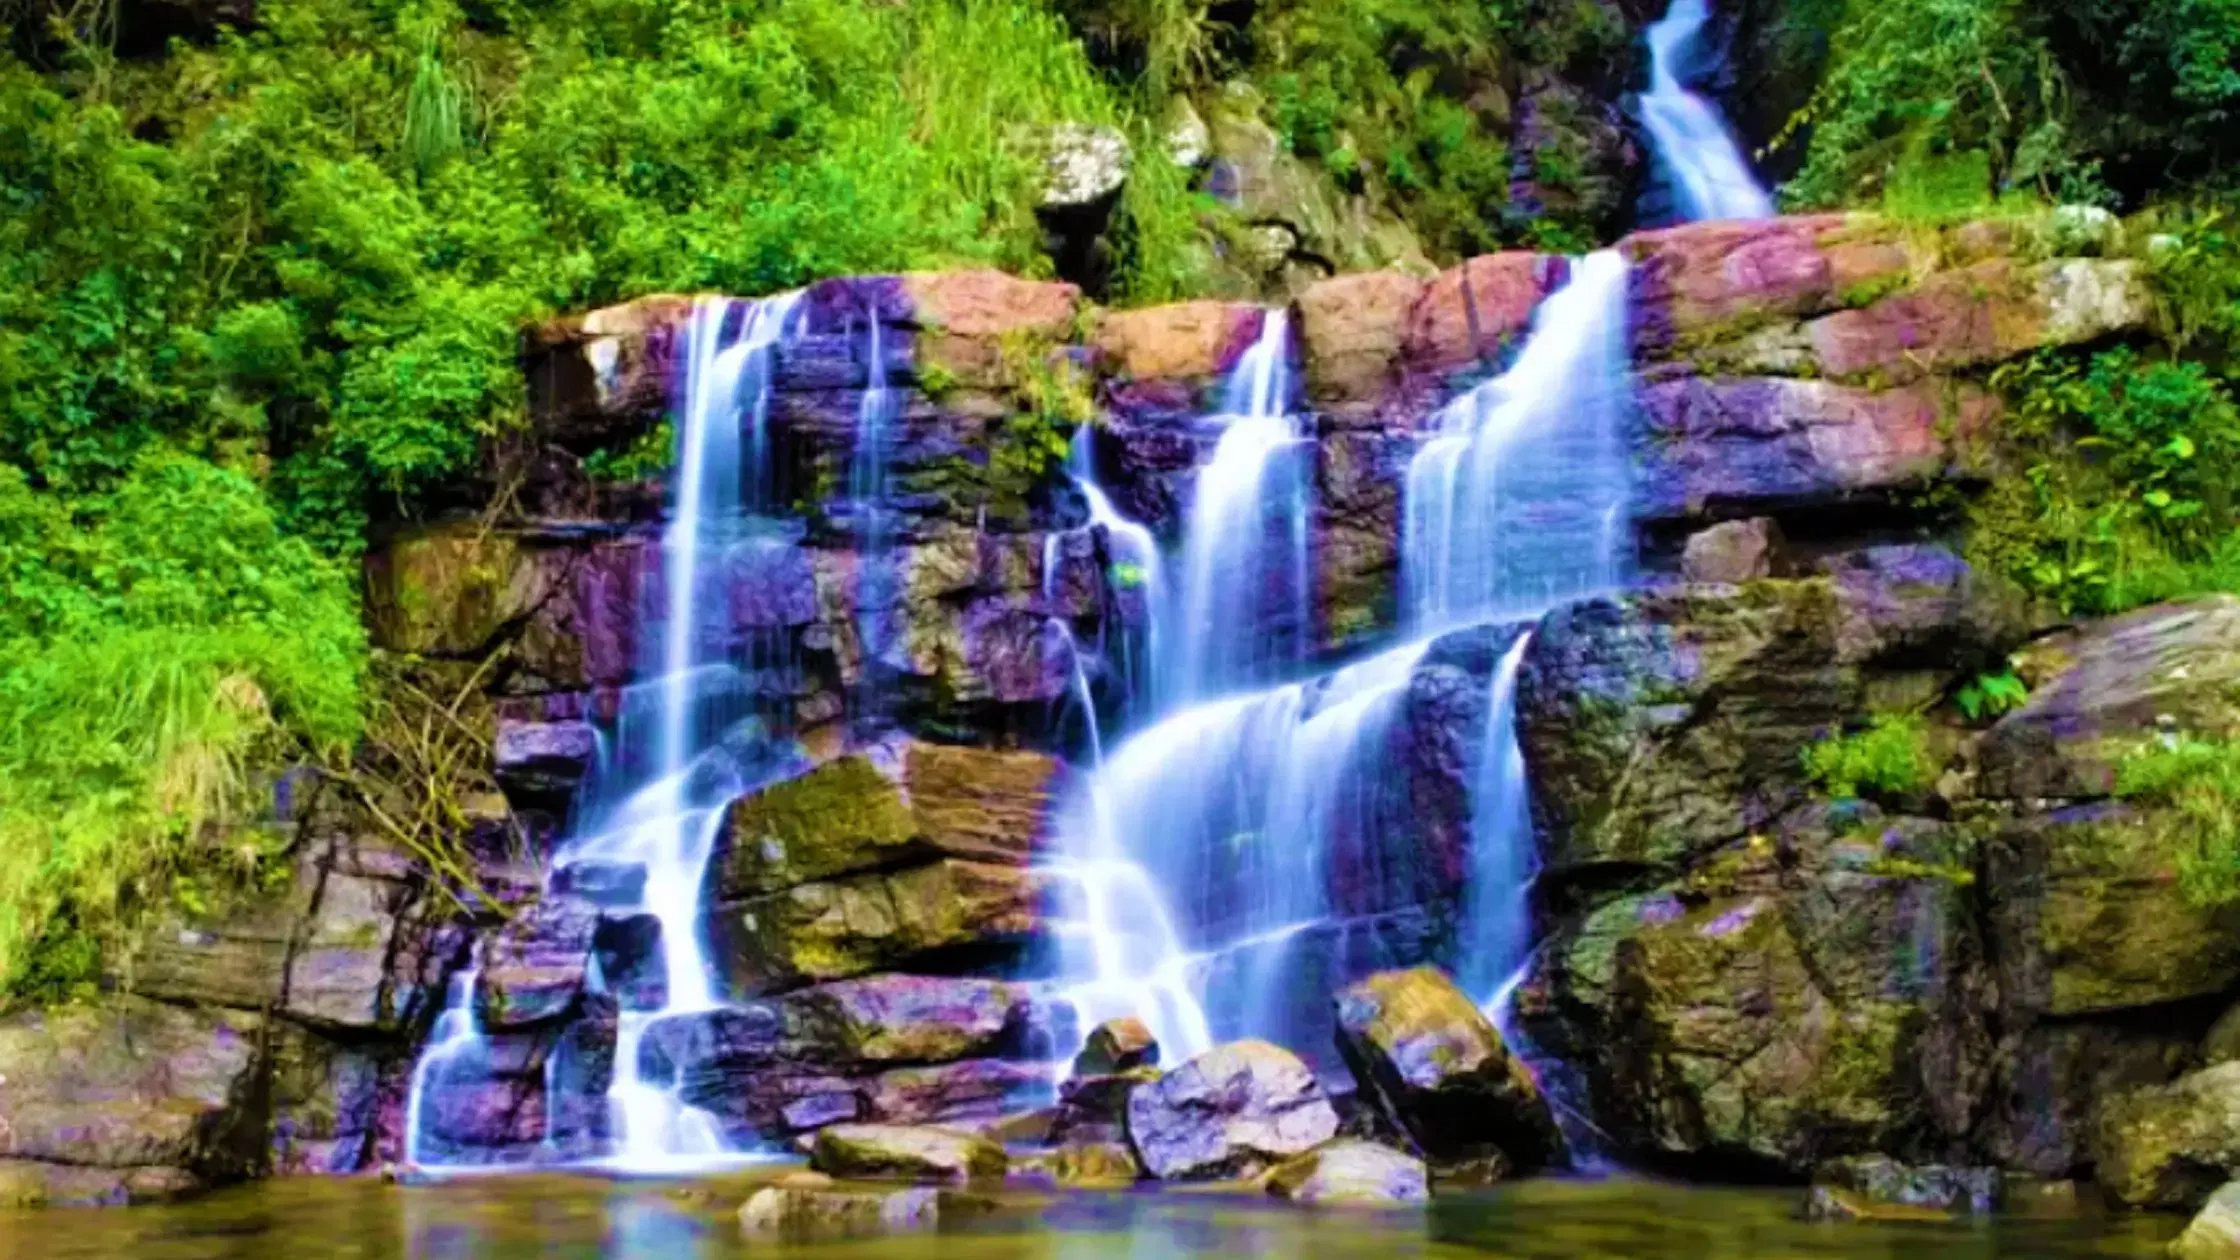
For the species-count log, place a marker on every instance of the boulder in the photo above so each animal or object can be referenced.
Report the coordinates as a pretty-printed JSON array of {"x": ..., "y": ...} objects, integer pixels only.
[
  {"x": 1811, "y": 992},
  {"x": 1693, "y": 282},
  {"x": 966, "y": 317},
  {"x": 1117, "y": 1045},
  {"x": 1469, "y": 316},
  {"x": 1734, "y": 552},
  {"x": 2214, "y": 1232},
  {"x": 1437, "y": 1068},
  {"x": 1185, "y": 347},
  {"x": 1234, "y": 1111},
  {"x": 1351, "y": 1173},
  {"x": 543, "y": 762},
  {"x": 1082, "y": 164},
  {"x": 907, "y": 1152},
  {"x": 1981, "y": 314},
  {"x": 2222, "y": 1044},
  {"x": 1353, "y": 329},
  {"x": 532, "y": 969},
  {"x": 2098, "y": 690},
  {"x": 158, "y": 1098},
  {"x": 881, "y": 809},
  {"x": 1876, "y": 1187},
  {"x": 1662, "y": 724},
  {"x": 1106, "y": 1165},
  {"x": 455, "y": 590},
  {"x": 631, "y": 962},
  {"x": 2170, "y": 1146}
]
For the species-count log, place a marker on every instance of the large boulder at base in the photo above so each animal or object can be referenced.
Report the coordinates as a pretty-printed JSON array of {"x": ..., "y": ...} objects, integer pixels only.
[
  {"x": 1351, "y": 1173},
  {"x": 907, "y": 1152},
  {"x": 2169, "y": 1146},
  {"x": 1871, "y": 1187},
  {"x": 2214, "y": 1232},
  {"x": 1812, "y": 992},
  {"x": 1437, "y": 1068},
  {"x": 162, "y": 1096},
  {"x": 1234, "y": 1111},
  {"x": 2098, "y": 690}
]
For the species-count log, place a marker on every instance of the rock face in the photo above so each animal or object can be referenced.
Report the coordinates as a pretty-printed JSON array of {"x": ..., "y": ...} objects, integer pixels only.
[
  {"x": 1351, "y": 1173},
  {"x": 1234, "y": 1111},
  {"x": 1437, "y": 1068},
  {"x": 918, "y": 1154}
]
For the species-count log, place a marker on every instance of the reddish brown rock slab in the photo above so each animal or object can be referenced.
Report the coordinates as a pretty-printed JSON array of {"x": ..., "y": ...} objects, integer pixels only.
[
  {"x": 1469, "y": 313},
  {"x": 1699, "y": 278},
  {"x": 1353, "y": 329},
  {"x": 1980, "y": 314},
  {"x": 1186, "y": 345},
  {"x": 966, "y": 319}
]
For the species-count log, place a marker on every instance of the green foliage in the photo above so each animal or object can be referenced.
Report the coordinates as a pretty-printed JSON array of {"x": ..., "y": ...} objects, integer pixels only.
[
  {"x": 649, "y": 455},
  {"x": 2126, "y": 489},
  {"x": 158, "y": 648},
  {"x": 2192, "y": 788},
  {"x": 1992, "y": 695},
  {"x": 1891, "y": 757},
  {"x": 2076, "y": 100}
]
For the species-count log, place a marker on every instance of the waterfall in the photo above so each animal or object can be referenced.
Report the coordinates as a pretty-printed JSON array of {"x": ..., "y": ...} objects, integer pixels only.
[
  {"x": 1519, "y": 501},
  {"x": 1243, "y": 618},
  {"x": 658, "y": 795},
  {"x": 876, "y": 593},
  {"x": 1710, "y": 178}
]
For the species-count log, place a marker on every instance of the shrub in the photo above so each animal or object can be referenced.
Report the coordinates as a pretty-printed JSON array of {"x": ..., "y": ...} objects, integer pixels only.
[
  {"x": 1890, "y": 757},
  {"x": 2192, "y": 789}
]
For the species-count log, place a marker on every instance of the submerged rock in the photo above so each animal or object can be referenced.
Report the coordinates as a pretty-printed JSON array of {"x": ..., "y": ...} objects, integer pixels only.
[
  {"x": 810, "y": 1211},
  {"x": 2169, "y": 1146},
  {"x": 1349, "y": 1172},
  {"x": 1876, "y": 1187},
  {"x": 1234, "y": 1111},
  {"x": 908, "y": 1152},
  {"x": 1082, "y": 1164},
  {"x": 1438, "y": 1069}
]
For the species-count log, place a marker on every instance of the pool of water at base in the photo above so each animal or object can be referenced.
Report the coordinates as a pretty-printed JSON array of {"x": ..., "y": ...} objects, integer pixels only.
[{"x": 565, "y": 1217}]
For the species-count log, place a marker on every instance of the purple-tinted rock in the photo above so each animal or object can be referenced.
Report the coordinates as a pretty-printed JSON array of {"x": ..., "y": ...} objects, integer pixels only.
[
  {"x": 1234, "y": 1111},
  {"x": 532, "y": 968},
  {"x": 975, "y": 1089},
  {"x": 608, "y": 885},
  {"x": 706, "y": 1050},
  {"x": 1734, "y": 552},
  {"x": 628, "y": 947},
  {"x": 902, "y": 1019},
  {"x": 543, "y": 760},
  {"x": 1349, "y": 1172},
  {"x": 772, "y": 585}
]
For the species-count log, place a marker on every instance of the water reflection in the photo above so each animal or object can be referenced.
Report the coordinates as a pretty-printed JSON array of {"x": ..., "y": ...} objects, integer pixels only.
[{"x": 581, "y": 1218}]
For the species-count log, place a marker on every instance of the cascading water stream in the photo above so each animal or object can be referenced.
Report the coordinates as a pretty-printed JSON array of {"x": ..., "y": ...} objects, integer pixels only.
[
  {"x": 876, "y": 593},
  {"x": 660, "y": 789},
  {"x": 1709, "y": 177}
]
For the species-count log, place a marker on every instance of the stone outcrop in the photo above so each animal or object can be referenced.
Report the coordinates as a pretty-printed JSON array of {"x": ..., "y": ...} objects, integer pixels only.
[
  {"x": 2170, "y": 1146},
  {"x": 1438, "y": 1069},
  {"x": 1235, "y": 1111},
  {"x": 1351, "y": 1173}
]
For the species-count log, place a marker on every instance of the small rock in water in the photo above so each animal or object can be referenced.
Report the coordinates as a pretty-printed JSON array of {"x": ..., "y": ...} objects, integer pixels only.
[
  {"x": 1083, "y": 1164},
  {"x": 1876, "y": 1187},
  {"x": 918, "y": 1153},
  {"x": 1234, "y": 1111},
  {"x": 1351, "y": 1172},
  {"x": 803, "y": 1210},
  {"x": 1115, "y": 1046},
  {"x": 2214, "y": 1233}
]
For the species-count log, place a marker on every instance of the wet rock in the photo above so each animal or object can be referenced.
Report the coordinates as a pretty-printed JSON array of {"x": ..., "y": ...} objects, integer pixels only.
[
  {"x": 846, "y": 927},
  {"x": 608, "y": 885},
  {"x": 532, "y": 968},
  {"x": 1469, "y": 316},
  {"x": 2101, "y": 689},
  {"x": 909, "y": 1152},
  {"x": 2170, "y": 1146},
  {"x": 628, "y": 947},
  {"x": 1980, "y": 314},
  {"x": 2214, "y": 1232},
  {"x": 864, "y": 811},
  {"x": 1117, "y": 1045},
  {"x": 33, "y": 1184},
  {"x": 156, "y": 1097},
  {"x": 1692, "y": 282},
  {"x": 963, "y": 1093},
  {"x": 1234, "y": 1111},
  {"x": 1714, "y": 445},
  {"x": 804, "y": 1211},
  {"x": 1176, "y": 354},
  {"x": 1082, "y": 1165},
  {"x": 1353, "y": 1174},
  {"x": 543, "y": 761},
  {"x": 1811, "y": 992},
  {"x": 1876, "y": 1187},
  {"x": 965, "y": 318},
  {"x": 897, "y": 1019},
  {"x": 1439, "y": 1071},
  {"x": 1734, "y": 552}
]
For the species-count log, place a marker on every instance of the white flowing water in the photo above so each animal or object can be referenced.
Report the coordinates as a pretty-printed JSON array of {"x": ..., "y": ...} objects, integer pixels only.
[
  {"x": 876, "y": 593},
  {"x": 1710, "y": 178},
  {"x": 1519, "y": 502}
]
